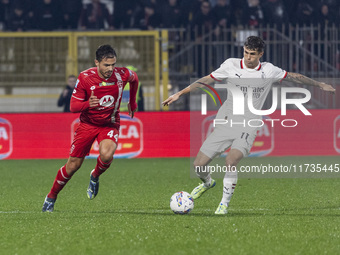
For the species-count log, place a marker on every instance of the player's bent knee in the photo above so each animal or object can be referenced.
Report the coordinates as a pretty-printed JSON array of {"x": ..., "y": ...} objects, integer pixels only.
[
  {"x": 73, "y": 164},
  {"x": 201, "y": 160},
  {"x": 106, "y": 150},
  {"x": 106, "y": 158},
  {"x": 107, "y": 155}
]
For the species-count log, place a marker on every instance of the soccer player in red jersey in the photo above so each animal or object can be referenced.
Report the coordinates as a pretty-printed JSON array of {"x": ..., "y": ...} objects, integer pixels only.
[{"x": 97, "y": 96}]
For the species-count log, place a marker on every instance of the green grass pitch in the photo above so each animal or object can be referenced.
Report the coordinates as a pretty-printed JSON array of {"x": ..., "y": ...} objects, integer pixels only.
[{"x": 131, "y": 213}]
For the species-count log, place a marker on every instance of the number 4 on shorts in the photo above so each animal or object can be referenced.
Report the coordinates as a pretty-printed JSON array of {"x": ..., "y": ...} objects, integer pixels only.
[{"x": 111, "y": 134}]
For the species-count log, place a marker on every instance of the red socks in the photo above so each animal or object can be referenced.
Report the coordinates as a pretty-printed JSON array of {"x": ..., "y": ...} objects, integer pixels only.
[
  {"x": 59, "y": 182},
  {"x": 100, "y": 167},
  {"x": 62, "y": 177}
]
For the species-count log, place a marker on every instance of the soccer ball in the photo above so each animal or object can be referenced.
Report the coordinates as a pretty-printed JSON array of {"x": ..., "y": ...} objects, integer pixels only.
[{"x": 181, "y": 202}]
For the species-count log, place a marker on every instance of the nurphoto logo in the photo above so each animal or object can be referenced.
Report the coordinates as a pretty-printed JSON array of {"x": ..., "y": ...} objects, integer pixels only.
[{"x": 238, "y": 105}]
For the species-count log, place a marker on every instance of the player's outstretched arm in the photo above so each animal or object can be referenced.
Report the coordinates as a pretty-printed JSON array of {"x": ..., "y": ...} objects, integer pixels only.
[
  {"x": 206, "y": 79},
  {"x": 301, "y": 79}
]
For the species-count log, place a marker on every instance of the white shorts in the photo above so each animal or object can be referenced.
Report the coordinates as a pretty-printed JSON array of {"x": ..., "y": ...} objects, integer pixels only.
[{"x": 222, "y": 138}]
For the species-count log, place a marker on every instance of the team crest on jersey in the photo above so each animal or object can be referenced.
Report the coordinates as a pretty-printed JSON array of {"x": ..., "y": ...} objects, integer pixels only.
[
  {"x": 106, "y": 101},
  {"x": 93, "y": 87}
]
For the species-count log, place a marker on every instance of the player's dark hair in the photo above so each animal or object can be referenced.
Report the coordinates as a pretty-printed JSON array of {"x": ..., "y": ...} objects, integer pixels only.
[
  {"x": 254, "y": 43},
  {"x": 105, "y": 51}
]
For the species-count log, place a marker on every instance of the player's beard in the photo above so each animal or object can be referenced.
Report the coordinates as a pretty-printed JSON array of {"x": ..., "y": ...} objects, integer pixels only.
[{"x": 107, "y": 74}]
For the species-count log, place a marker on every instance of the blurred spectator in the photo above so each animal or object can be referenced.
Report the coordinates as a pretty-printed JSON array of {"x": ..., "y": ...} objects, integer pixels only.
[
  {"x": 31, "y": 7},
  {"x": 71, "y": 13},
  {"x": 253, "y": 14},
  {"x": 171, "y": 14},
  {"x": 304, "y": 13},
  {"x": 237, "y": 7},
  {"x": 65, "y": 96},
  {"x": 123, "y": 13},
  {"x": 204, "y": 20},
  {"x": 326, "y": 16},
  {"x": 49, "y": 15},
  {"x": 188, "y": 9},
  {"x": 222, "y": 13},
  {"x": 275, "y": 12},
  {"x": 94, "y": 16},
  {"x": 17, "y": 19},
  {"x": 147, "y": 18},
  {"x": 291, "y": 7},
  {"x": 5, "y": 12},
  {"x": 203, "y": 23}
]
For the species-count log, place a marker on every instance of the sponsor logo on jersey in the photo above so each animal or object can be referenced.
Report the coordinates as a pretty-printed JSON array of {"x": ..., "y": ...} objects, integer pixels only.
[
  {"x": 264, "y": 141},
  {"x": 130, "y": 140},
  {"x": 93, "y": 88},
  {"x": 106, "y": 101},
  {"x": 106, "y": 83},
  {"x": 337, "y": 134},
  {"x": 6, "y": 138}
]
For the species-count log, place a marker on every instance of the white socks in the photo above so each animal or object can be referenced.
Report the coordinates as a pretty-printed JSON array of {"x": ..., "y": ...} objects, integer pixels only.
[{"x": 229, "y": 184}]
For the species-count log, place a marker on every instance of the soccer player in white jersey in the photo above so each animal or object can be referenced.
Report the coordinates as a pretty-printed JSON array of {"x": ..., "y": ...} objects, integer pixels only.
[{"x": 250, "y": 76}]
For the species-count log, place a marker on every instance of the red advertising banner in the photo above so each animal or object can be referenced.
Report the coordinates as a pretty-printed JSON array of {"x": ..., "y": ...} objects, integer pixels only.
[
  {"x": 168, "y": 134},
  {"x": 49, "y": 135},
  {"x": 318, "y": 134}
]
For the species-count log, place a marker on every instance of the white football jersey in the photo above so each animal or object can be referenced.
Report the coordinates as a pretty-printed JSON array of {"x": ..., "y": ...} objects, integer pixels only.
[{"x": 233, "y": 74}]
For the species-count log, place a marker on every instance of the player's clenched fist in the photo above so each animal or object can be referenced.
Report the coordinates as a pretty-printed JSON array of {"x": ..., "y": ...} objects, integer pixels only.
[{"x": 93, "y": 100}]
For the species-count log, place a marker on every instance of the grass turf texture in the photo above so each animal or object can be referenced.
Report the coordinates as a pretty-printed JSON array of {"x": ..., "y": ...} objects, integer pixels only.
[{"x": 131, "y": 213}]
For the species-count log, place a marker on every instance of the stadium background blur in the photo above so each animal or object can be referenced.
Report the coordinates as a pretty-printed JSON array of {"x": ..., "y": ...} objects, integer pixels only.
[
  {"x": 170, "y": 43},
  {"x": 278, "y": 215}
]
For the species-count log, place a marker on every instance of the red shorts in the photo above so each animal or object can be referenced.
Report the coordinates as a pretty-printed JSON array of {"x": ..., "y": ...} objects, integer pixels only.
[{"x": 86, "y": 134}]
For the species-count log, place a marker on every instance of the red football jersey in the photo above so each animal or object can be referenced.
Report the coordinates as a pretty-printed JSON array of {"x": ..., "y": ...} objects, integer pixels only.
[{"x": 108, "y": 91}]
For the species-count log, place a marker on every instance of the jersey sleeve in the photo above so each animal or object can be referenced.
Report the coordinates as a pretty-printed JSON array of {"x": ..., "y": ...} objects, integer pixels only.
[
  {"x": 79, "y": 92},
  {"x": 79, "y": 101},
  {"x": 222, "y": 72},
  {"x": 134, "y": 82},
  {"x": 277, "y": 73}
]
